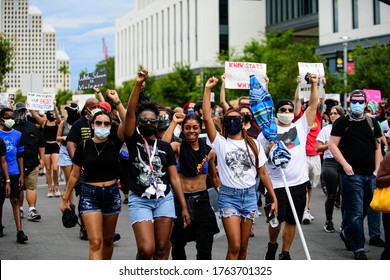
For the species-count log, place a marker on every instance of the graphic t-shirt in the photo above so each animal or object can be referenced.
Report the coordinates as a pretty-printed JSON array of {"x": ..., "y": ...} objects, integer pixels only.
[
  {"x": 294, "y": 137},
  {"x": 235, "y": 168},
  {"x": 14, "y": 145},
  {"x": 80, "y": 131}
]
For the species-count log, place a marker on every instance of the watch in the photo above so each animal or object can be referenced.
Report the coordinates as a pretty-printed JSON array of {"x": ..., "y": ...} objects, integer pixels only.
[{"x": 117, "y": 103}]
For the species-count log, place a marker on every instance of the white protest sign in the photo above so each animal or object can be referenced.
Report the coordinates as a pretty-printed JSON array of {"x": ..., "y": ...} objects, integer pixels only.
[
  {"x": 237, "y": 74},
  {"x": 40, "y": 101},
  {"x": 4, "y": 99},
  {"x": 305, "y": 69},
  {"x": 333, "y": 96},
  {"x": 80, "y": 99}
]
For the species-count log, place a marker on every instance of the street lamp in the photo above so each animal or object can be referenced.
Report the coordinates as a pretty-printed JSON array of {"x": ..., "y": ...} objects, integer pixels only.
[{"x": 345, "y": 44}]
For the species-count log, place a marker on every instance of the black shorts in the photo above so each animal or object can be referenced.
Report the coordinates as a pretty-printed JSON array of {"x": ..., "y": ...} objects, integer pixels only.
[
  {"x": 52, "y": 148},
  {"x": 298, "y": 194},
  {"x": 14, "y": 185}
]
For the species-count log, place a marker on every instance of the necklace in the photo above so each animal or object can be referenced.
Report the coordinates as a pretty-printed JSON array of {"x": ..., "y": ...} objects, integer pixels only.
[{"x": 99, "y": 152}]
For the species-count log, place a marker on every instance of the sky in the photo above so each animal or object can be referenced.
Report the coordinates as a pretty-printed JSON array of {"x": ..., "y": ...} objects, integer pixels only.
[{"x": 80, "y": 26}]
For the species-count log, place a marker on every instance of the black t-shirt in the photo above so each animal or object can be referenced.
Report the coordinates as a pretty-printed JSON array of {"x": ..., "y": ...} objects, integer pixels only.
[
  {"x": 32, "y": 140},
  {"x": 80, "y": 131},
  {"x": 139, "y": 169},
  {"x": 97, "y": 168},
  {"x": 357, "y": 143}
]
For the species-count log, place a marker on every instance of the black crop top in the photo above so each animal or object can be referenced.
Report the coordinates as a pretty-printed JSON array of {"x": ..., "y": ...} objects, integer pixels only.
[
  {"x": 50, "y": 132},
  {"x": 97, "y": 168}
]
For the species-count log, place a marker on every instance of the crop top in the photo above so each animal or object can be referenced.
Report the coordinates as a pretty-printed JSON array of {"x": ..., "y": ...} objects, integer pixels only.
[{"x": 193, "y": 162}]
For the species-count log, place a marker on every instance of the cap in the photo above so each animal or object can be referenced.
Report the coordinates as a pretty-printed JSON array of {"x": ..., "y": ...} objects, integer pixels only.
[
  {"x": 20, "y": 106},
  {"x": 283, "y": 102},
  {"x": 106, "y": 106},
  {"x": 357, "y": 92},
  {"x": 72, "y": 106},
  {"x": 69, "y": 217}
]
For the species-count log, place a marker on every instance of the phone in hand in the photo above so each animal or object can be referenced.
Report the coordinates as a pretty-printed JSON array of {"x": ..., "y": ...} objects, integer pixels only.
[{"x": 272, "y": 219}]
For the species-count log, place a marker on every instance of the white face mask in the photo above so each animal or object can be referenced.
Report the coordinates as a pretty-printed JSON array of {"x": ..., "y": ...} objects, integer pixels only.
[
  {"x": 285, "y": 118},
  {"x": 102, "y": 132},
  {"x": 94, "y": 111},
  {"x": 9, "y": 123}
]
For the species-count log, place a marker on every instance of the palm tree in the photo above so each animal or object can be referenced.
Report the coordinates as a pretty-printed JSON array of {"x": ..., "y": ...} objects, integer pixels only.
[{"x": 64, "y": 70}]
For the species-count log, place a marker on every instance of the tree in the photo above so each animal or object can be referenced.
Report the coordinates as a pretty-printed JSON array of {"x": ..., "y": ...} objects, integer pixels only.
[
  {"x": 64, "y": 70},
  {"x": 6, "y": 56},
  {"x": 371, "y": 68}
]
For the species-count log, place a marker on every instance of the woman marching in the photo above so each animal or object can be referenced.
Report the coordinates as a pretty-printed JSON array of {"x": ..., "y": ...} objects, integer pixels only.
[
  {"x": 195, "y": 161},
  {"x": 100, "y": 200},
  {"x": 240, "y": 158},
  {"x": 152, "y": 170}
]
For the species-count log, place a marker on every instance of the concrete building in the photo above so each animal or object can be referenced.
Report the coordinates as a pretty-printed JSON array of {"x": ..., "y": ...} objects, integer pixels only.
[
  {"x": 160, "y": 33},
  {"x": 37, "y": 61}
]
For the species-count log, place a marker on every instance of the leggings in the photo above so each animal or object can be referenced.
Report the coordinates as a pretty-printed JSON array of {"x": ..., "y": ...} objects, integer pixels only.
[{"x": 330, "y": 175}]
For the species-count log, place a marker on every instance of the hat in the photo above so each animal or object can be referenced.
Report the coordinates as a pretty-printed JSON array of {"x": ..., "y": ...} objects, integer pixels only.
[
  {"x": 69, "y": 217},
  {"x": 283, "y": 102},
  {"x": 357, "y": 92},
  {"x": 72, "y": 106},
  {"x": 20, "y": 106},
  {"x": 106, "y": 106}
]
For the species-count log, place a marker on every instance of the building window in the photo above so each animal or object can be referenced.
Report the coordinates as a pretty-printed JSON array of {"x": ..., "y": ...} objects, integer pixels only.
[
  {"x": 223, "y": 25},
  {"x": 335, "y": 16},
  {"x": 377, "y": 13},
  {"x": 355, "y": 17}
]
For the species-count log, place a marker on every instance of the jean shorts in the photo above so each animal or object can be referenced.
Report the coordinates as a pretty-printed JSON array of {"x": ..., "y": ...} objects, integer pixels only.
[
  {"x": 143, "y": 209},
  {"x": 100, "y": 199},
  {"x": 64, "y": 159},
  {"x": 237, "y": 202}
]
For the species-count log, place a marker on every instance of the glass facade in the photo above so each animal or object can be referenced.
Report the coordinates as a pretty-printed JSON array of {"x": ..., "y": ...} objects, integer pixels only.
[{"x": 223, "y": 25}]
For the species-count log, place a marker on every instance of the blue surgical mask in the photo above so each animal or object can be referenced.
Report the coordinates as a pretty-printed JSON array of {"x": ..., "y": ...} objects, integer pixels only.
[
  {"x": 357, "y": 108},
  {"x": 102, "y": 132}
]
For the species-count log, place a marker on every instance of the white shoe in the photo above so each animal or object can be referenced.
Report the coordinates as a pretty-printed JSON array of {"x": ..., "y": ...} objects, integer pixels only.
[{"x": 306, "y": 217}]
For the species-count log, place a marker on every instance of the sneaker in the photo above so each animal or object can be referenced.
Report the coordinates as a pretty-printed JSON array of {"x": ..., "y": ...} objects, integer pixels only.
[
  {"x": 329, "y": 227},
  {"x": 347, "y": 243},
  {"x": 117, "y": 236},
  {"x": 377, "y": 241},
  {"x": 33, "y": 215},
  {"x": 83, "y": 234},
  {"x": 311, "y": 217},
  {"x": 21, "y": 213},
  {"x": 21, "y": 237},
  {"x": 41, "y": 172},
  {"x": 57, "y": 192},
  {"x": 50, "y": 194},
  {"x": 126, "y": 201},
  {"x": 284, "y": 256},
  {"x": 360, "y": 256},
  {"x": 306, "y": 218},
  {"x": 271, "y": 251},
  {"x": 1, "y": 231}
]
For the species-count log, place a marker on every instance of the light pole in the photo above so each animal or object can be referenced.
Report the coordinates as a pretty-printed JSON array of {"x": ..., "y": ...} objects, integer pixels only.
[{"x": 345, "y": 60}]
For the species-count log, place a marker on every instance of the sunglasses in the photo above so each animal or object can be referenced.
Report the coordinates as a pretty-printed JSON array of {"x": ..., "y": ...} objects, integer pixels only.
[
  {"x": 99, "y": 123},
  {"x": 234, "y": 119},
  {"x": 283, "y": 110},
  {"x": 145, "y": 121},
  {"x": 357, "y": 101},
  {"x": 163, "y": 118}
]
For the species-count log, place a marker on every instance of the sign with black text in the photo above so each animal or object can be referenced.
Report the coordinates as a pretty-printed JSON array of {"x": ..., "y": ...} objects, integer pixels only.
[{"x": 87, "y": 81}]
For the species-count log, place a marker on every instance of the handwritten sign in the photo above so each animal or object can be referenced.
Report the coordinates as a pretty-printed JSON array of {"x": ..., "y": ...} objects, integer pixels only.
[
  {"x": 87, "y": 81},
  {"x": 4, "y": 99},
  {"x": 237, "y": 74},
  {"x": 373, "y": 94},
  {"x": 40, "y": 101},
  {"x": 305, "y": 69}
]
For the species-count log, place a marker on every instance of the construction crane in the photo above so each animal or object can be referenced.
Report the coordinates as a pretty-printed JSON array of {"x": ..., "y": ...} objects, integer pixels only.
[{"x": 105, "y": 49}]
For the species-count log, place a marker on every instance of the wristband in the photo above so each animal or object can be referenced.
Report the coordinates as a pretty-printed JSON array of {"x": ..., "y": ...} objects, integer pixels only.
[
  {"x": 8, "y": 181},
  {"x": 117, "y": 103}
]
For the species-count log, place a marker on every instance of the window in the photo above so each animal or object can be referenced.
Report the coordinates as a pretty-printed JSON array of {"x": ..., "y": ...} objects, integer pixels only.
[
  {"x": 377, "y": 13},
  {"x": 335, "y": 16},
  {"x": 355, "y": 18}
]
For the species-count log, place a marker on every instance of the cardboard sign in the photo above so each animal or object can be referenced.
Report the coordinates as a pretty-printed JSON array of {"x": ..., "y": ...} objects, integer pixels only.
[
  {"x": 87, "y": 81},
  {"x": 237, "y": 74},
  {"x": 373, "y": 94},
  {"x": 305, "y": 69},
  {"x": 40, "y": 101}
]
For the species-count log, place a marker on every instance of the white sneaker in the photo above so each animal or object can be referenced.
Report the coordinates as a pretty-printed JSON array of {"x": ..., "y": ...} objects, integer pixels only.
[
  {"x": 306, "y": 217},
  {"x": 311, "y": 216}
]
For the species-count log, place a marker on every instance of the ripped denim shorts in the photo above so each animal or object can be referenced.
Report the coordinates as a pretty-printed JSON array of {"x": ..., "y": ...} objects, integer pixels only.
[{"x": 237, "y": 202}]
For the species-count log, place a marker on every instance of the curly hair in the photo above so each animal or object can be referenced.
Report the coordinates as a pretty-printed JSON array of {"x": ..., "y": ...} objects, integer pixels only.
[{"x": 146, "y": 106}]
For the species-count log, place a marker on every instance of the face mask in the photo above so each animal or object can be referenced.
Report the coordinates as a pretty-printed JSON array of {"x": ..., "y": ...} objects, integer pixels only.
[
  {"x": 50, "y": 116},
  {"x": 357, "y": 108},
  {"x": 147, "y": 130},
  {"x": 102, "y": 132},
  {"x": 232, "y": 128},
  {"x": 94, "y": 111},
  {"x": 247, "y": 118},
  {"x": 72, "y": 117},
  {"x": 163, "y": 125},
  {"x": 9, "y": 123},
  {"x": 21, "y": 116},
  {"x": 285, "y": 118}
]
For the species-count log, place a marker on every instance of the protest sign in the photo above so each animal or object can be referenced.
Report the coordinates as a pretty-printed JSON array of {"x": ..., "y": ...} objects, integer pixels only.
[
  {"x": 237, "y": 74},
  {"x": 40, "y": 101},
  {"x": 333, "y": 96},
  {"x": 305, "y": 69},
  {"x": 80, "y": 99},
  {"x": 87, "y": 81},
  {"x": 373, "y": 94},
  {"x": 4, "y": 99}
]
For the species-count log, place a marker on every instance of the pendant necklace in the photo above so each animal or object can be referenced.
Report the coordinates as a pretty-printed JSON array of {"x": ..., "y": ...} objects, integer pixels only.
[{"x": 99, "y": 152}]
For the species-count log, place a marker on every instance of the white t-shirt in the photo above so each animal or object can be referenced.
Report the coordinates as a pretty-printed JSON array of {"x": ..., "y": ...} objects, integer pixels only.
[
  {"x": 323, "y": 136},
  {"x": 234, "y": 165},
  {"x": 385, "y": 126},
  {"x": 294, "y": 137}
]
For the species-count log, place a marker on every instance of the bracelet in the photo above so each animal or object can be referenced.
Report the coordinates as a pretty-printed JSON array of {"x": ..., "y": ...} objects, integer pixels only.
[
  {"x": 97, "y": 92},
  {"x": 8, "y": 181},
  {"x": 117, "y": 103}
]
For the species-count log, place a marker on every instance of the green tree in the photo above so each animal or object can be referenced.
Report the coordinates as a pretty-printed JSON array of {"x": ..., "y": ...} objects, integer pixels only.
[
  {"x": 6, "y": 56},
  {"x": 64, "y": 70},
  {"x": 371, "y": 68},
  {"x": 63, "y": 96}
]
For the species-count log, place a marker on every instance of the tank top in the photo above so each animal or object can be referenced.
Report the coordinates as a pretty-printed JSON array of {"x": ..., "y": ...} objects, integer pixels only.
[
  {"x": 50, "y": 132},
  {"x": 65, "y": 131}
]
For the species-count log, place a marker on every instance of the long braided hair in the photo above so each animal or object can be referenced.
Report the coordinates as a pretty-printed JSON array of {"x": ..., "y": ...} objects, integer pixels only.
[{"x": 249, "y": 141}]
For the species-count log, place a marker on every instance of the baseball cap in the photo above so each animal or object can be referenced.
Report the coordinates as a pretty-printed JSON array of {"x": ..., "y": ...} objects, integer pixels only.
[
  {"x": 106, "y": 106},
  {"x": 72, "y": 106},
  {"x": 20, "y": 106},
  {"x": 357, "y": 92}
]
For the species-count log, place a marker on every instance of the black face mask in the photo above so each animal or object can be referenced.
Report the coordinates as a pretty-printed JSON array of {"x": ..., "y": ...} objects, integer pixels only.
[
  {"x": 147, "y": 130},
  {"x": 163, "y": 125},
  {"x": 50, "y": 116},
  {"x": 247, "y": 118},
  {"x": 72, "y": 116}
]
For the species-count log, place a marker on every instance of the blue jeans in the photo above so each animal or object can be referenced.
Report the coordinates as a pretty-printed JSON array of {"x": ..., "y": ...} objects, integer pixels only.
[{"x": 356, "y": 191}]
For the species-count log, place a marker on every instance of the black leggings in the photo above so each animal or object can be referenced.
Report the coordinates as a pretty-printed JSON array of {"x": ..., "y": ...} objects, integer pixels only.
[{"x": 330, "y": 175}]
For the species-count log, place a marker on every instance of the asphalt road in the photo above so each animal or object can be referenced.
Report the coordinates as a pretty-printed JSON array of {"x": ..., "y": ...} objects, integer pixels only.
[{"x": 49, "y": 240}]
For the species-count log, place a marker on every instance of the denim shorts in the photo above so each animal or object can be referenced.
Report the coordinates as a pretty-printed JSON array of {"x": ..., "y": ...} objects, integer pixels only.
[
  {"x": 64, "y": 159},
  {"x": 237, "y": 202},
  {"x": 144, "y": 209},
  {"x": 100, "y": 199}
]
